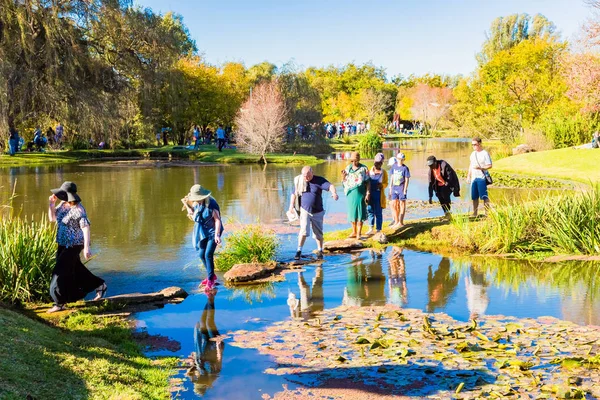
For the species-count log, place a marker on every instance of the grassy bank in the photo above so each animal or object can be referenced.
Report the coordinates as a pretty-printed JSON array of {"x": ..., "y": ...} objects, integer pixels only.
[
  {"x": 554, "y": 225},
  {"x": 250, "y": 244},
  {"x": 206, "y": 153},
  {"x": 77, "y": 356},
  {"x": 571, "y": 164}
]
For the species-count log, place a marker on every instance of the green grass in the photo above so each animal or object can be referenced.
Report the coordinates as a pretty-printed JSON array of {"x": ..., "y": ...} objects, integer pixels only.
[
  {"x": 206, "y": 153},
  {"x": 250, "y": 244},
  {"x": 570, "y": 164},
  {"x": 84, "y": 356},
  {"x": 27, "y": 257}
]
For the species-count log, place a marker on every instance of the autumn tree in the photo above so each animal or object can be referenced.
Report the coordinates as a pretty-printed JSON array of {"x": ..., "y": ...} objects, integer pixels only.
[
  {"x": 261, "y": 121},
  {"x": 431, "y": 104}
]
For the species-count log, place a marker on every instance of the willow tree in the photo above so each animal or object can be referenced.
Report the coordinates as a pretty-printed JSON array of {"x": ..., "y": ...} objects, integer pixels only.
[{"x": 507, "y": 32}]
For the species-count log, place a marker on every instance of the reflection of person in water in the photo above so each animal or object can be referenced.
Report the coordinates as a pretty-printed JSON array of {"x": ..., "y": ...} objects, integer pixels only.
[
  {"x": 397, "y": 277},
  {"x": 477, "y": 297},
  {"x": 365, "y": 284},
  {"x": 441, "y": 284},
  {"x": 311, "y": 302},
  {"x": 208, "y": 356}
]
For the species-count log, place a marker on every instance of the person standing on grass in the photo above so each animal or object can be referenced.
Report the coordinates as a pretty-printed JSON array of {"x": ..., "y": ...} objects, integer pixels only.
[
  {"x": 308, "y": 191},
  {"x": 71, "y": 280},
  {"x": 378, "y": 181},
  {"x": 220, "y": 138},
  {"x": 399, "y": 176},
  {"x": 208, "y": 227},
  {"x": 196, "y": 137},
  {"x": 480, "y": 163},
  {"x": 355, "y": 178},
  {"x": 13, "y": 141},
  {"x": 443, "y": 181}
]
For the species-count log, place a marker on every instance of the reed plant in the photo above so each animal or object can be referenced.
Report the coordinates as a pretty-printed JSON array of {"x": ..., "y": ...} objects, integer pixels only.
[
  {"x": 27, "y": 257},
  {"x": 250, "y": 244},
  {"x": 565, "y": 224}
]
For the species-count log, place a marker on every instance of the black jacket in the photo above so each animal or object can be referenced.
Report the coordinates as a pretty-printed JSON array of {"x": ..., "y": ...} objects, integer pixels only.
[{"x": 448, "y": 175}]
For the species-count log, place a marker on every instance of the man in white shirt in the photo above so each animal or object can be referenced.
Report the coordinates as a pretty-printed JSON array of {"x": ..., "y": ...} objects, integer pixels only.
[{"x": 481, "y": 162}]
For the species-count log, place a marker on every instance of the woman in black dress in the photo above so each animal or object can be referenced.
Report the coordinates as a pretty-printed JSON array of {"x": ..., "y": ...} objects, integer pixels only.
[{"x": 71, "y": 280}]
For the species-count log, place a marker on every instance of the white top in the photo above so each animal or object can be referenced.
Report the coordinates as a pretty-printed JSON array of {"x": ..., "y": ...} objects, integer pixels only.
[{"x": 479, "y": 159}]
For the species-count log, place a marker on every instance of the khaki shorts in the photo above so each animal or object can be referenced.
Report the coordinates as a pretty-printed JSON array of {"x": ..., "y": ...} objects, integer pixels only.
[{"x": 316, "y": 223}]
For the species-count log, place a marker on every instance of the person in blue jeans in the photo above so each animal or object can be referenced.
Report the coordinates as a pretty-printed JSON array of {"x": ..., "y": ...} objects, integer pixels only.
[
  {"x": 208, "y": 227},
  {"x": 378, "y": 181},
  {"x": 479, "y": 164}
]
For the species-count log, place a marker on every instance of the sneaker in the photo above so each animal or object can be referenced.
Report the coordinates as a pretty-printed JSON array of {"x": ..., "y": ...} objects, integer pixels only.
[
  {"x": 298, "y": 255},
  {"x": 320, "y": 255},
  {"x": 209, "y": 286},
  {"x": 214, "y": 280},
  {"x": 369, "y": 232},
  {"x": 204, "y": 283}
]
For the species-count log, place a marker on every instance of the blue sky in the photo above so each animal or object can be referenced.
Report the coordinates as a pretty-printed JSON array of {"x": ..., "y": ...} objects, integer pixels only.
[{"x": 403, "y": 36}]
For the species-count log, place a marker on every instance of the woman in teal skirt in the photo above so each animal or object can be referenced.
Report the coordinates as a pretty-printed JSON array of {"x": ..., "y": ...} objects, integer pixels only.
[{"x": 356, "y": 188}]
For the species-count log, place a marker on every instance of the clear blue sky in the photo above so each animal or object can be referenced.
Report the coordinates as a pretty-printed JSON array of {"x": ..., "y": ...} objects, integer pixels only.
[{"x": 403, "y": 36}]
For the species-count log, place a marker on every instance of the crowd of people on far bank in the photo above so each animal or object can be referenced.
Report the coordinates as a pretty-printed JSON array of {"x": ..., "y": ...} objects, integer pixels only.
[{"x": 364, "y": 188}]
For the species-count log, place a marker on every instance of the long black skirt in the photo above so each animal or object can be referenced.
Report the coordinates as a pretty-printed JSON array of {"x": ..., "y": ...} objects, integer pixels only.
[{"x": 71, "y": 280}]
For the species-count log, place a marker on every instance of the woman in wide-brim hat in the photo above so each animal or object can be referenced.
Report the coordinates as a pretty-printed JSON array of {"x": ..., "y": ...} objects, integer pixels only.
[
  {"x": 71, "y": 280},
  {"x": 356, "y": 188},
  {"x": 208, "y": 227}
]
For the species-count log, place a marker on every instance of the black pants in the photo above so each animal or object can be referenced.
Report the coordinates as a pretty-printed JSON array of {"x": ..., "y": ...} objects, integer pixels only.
[
  {"x": 71, "y": 280},
  {"x": 221, "y": 144},
  {"x": 443, "y": 194}
]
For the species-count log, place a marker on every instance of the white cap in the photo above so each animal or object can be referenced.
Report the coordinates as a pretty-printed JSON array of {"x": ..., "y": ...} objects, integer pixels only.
[
  {"x": 400, "y": 156},
  {"x": 392, "y": 161}
]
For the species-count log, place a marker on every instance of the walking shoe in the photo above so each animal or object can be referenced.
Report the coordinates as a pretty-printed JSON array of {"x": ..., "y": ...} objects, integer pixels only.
[
  {"x": 203, "y": 283},
  {"x": 214, "y": 280},
  {"x": 320, "y": 255},
  {"x": 369, "y": 232},
  {"x": 209, "y": 286},
  {"x": 298, "y": 255}
]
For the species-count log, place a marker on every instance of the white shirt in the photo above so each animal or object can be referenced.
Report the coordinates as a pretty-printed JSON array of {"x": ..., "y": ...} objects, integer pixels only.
[{"x": 479, "y": 159}]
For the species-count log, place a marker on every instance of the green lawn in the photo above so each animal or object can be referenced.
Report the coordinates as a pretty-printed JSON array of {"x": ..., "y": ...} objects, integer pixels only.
[
  {"x": 205, "y": 154},
  {"x": 84, "y": 357},
  {"x": 571, "y": 164}
]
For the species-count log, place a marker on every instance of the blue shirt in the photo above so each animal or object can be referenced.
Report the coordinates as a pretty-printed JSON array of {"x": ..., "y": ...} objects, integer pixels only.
[
  {"x": 204, "y": 223},
  {"x": 398, "y": 175},
  {"x": 312, "y": 198},
  {"x": 220, "y": 133}
]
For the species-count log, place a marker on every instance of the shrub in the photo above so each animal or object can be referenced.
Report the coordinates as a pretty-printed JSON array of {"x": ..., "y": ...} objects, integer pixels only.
[
  {"x": 27, "y": 257},
  {"x": 370, "y": 143},
  {"x": 250, "y": 244}
]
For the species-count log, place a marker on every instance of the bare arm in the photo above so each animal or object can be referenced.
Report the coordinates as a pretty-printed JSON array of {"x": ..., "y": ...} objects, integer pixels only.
[
  {"x": 333, "y": 192},
  {"x": 218, "y": 224},
  {"x": 406, "y": 180},
  {"x": 86, "y": 242},
  {"x": 52, "y": 208},
  {"x": 292, "y": 201}
]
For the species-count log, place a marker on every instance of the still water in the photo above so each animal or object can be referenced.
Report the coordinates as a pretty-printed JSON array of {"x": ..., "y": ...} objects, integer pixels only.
[{"x": 142, "y": 239}]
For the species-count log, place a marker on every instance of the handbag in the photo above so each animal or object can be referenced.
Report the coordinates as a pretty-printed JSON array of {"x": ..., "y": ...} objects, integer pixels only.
[{"x": 486, "y": 174}]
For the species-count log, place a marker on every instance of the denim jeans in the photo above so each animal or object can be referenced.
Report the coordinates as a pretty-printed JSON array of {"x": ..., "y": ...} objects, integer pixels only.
[
  {"x": 207, "y": 255},
  {"x": 374, "y": 209}
]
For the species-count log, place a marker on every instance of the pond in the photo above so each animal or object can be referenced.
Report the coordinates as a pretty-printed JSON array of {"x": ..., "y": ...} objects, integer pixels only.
[{"x": 142, "y": 239}]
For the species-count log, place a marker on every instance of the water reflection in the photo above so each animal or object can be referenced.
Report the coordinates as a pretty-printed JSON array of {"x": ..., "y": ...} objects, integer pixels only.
[
  {"x": 208, "y": 356},
  {"x": 398, "y": 289},
  {"x": 311, "y": 297},
  {"x": 477, "y": 296},
  {"x": 441, "y": 285},
  {"x": 365, "y": 283}
]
